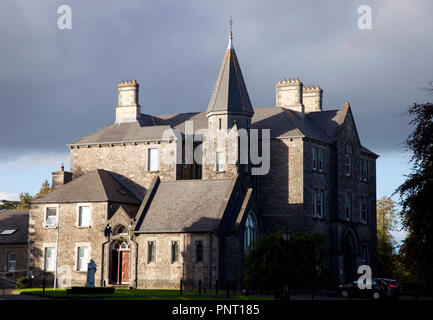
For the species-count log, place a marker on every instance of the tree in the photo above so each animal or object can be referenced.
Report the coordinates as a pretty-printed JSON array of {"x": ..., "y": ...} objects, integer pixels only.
[
  {"x": 416, "y": 196},
  {"x": 302, "y": 255},
  {"x": 387, "y": 220},
  {"x": 8, "y": 205},
  {"x": 45, "y": 188},
  {"x": 24, "y": 202}
]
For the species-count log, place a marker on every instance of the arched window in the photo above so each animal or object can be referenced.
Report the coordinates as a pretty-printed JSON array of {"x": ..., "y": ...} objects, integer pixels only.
[
  {"x": 348, "y": 159},
  {"x": 121, "y": 229},
  {"x": 251, "y": 231}
]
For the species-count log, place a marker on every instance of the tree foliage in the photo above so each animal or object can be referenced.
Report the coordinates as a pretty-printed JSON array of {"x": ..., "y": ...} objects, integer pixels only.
[
  {"x": 25, "y": 198},
  {"x": 387, "y": 220},
  {"x": 416, "y": 196},
  {"x": 45, "y": 188},
  {"x": 301, "y": 255}
]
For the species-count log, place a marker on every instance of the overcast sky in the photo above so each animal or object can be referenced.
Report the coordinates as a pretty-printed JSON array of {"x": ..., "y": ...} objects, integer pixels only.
[{"x": 59, "y": 85}]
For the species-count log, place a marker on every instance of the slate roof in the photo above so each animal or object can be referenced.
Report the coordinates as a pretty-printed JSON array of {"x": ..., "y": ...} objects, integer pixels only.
[
  {"x": 96, "y": 186},
  {"x": 230, "y": 92},
  {"x": 14, "y": 219},
  {"x": 187, "y": 206}
]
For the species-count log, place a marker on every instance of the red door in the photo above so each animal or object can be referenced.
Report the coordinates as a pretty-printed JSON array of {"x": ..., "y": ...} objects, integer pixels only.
[{"x": 125, "y": 267}]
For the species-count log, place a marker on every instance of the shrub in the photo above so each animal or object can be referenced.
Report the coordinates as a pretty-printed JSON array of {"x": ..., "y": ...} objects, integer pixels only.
[{"x": 22, "y": 283}]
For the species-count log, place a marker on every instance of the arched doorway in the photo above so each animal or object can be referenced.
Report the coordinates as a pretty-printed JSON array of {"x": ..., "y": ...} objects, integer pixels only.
[
  {"x": 120, "y": 262},
  {"x": 349, "y": 258}
]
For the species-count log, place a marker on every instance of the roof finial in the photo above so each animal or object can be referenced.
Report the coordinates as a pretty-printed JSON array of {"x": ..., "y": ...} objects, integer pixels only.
[{"x": 230, "y": 46}]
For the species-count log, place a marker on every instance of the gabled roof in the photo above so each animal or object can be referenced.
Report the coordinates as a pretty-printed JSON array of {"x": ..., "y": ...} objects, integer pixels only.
[
  {"x": 96, "y": 186},
  {"x": 16, "y": 221},
  {"x": 230, "y": 93},
  {"x": 187, "y": 206}
]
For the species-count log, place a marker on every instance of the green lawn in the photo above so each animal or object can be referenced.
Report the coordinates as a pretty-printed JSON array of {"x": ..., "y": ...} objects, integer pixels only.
[{"x": 127, "y": 294}]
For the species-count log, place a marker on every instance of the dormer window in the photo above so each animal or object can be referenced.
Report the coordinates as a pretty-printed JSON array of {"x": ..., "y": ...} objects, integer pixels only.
[
  {"x": 152, "y": 159},
  {"x": 348, "y": 159},
  {"x": 220, "y": 161}
]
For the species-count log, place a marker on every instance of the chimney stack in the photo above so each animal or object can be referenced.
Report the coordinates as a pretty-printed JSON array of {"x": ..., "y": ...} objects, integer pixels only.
[
  {"x": 289, "y": 95},
  {"x": 128, "y": 109},
  {"x": 312, "y": 99},
  {"x": 61, "y": 177}
]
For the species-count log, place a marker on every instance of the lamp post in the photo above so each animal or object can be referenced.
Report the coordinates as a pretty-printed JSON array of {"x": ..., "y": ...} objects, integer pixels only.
[
  {"x": 57, "y": 249},
  {"x": 286, "y": 238}
]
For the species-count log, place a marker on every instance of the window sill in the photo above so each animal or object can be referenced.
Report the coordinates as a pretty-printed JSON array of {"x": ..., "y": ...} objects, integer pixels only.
[
  {"x": 152, "y": 171},
  {"x": 84, "y": 227},
  {"x": 50, "y": 227},
  {"x": 220, "y": 171}
]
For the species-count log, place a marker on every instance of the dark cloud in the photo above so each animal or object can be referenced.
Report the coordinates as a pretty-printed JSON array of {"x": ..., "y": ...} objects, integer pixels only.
[{"x": 57, "y": 86}]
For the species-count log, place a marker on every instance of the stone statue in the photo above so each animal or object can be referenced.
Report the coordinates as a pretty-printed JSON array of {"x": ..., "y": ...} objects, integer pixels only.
[{"x": 91, "y": 270}]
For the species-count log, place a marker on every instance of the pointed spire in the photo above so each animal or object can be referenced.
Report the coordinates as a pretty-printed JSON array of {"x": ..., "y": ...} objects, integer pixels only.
[
  {"x": 230, "y": 46},
  {"x": 230, "y": 93}
]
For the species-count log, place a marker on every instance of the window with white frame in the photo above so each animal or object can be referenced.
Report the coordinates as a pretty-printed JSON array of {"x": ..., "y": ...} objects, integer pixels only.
[
  {"x": 348, "y": 206},
  {"x": 152, "y": 158},
  {"x": 317, "y": 203},
  {"x": 12, "y": 262},
  {"x": 84, "y": 216},
  {"x": 50, "y": 259},
  {"x": 364, "y": 209},
  {"x": 321, "y": 160},
  {"x": 348, "y": 160},
  {"x": 50, "y": 216},
  {"x": 314, "y": 158},
  {"x": 82, "y": 258},
  {"x": 174, "y": 251},
  {"x": 220, "y": 161}
]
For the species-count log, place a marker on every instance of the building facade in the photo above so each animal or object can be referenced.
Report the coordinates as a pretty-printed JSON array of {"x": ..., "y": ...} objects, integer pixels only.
[
  {"x": 13, "y": 243},
  {"x": 152, "y": 204}
]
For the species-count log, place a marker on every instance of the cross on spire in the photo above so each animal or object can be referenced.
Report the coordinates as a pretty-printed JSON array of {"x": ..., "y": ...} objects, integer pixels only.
[{"x": 231, "y": 24}]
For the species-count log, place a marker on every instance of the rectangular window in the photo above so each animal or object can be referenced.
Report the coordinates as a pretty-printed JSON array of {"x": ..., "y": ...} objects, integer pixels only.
[
  {"x": 150, "y": 251},
  {"x": 12, "y": 262},
  {"x": 348, "y": 206},
  {"x": 360, "y": 170},
  {"x": 199, "y": 251},
  {"x": 318, "y": 203},
  {"x": 51, "y": 216},
  {"x": 152, "y": 158},
  {"x": 364, "y": 254},
  {"x": 84, "y": 216},
  {"x": 82, "y": 258},
  {"x": 49, "y": 259},
  {"x": 348, "y": 165},
  {"x": 321, "y": 160},
  {"x": 220, "y": 161},
  {"x": 314, "y": 159},
  {"x": 364, "y": 210},
  {"x": 365, "y": 170},
  {"x": 174, "y": 251}
]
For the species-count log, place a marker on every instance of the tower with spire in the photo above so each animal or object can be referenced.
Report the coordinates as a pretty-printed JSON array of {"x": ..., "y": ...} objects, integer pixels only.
[{"x": 229, "y": 113}]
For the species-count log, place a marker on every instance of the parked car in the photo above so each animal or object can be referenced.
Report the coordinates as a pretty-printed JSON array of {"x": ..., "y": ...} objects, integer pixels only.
[{"x": 380, "y": 288}]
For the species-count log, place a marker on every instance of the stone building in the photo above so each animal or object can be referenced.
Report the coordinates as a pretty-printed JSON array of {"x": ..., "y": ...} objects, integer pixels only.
[
  {"x": 149, "y": 220},
  {"x": 13, "y": 243}
]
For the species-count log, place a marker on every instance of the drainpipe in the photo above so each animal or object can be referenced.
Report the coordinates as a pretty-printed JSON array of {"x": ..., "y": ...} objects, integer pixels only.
[
  {"x": 136, "y": 257},
  {"x": 107, "y": 233}
]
